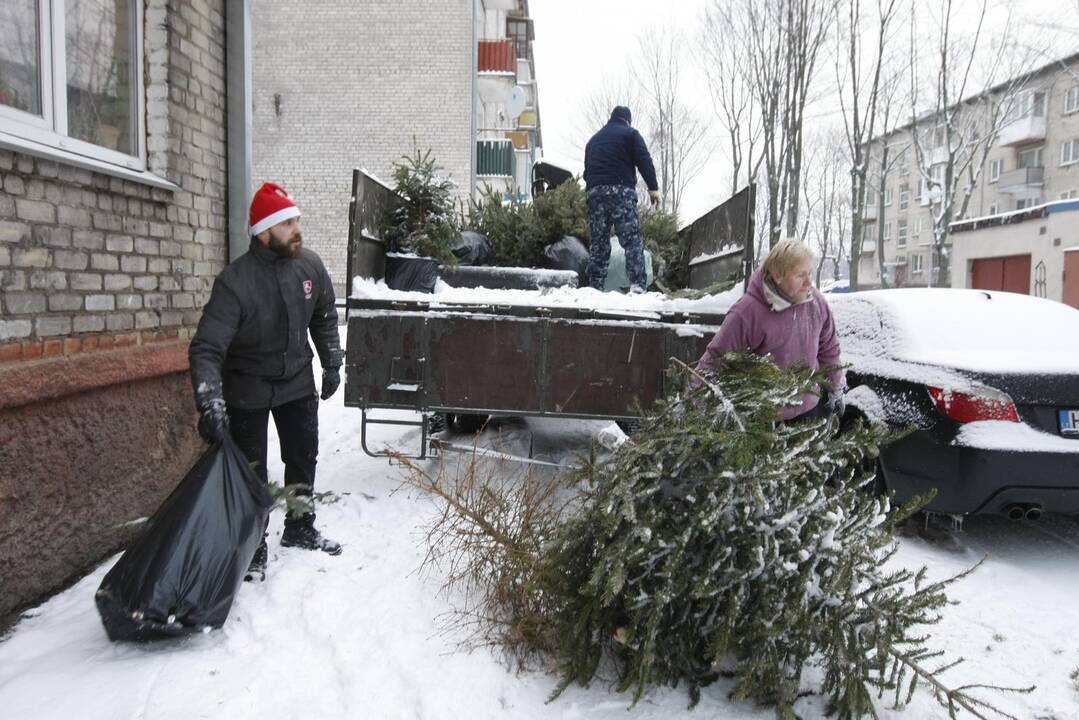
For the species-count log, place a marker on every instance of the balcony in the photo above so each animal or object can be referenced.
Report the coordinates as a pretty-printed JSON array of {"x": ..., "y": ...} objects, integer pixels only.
[
  {"x": 1023, "y": 181},
  {"x": 496, "y": 68},
  {"x": 869, "y": 213},
  {"x": 496, "y": 56},
  {"x": 1029, "y": 128},
  {"x": 494, "y": 158}
]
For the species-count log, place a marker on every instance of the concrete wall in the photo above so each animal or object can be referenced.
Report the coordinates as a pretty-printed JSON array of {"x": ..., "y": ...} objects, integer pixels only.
[
  {"x": 343, "y": 85},
  {"x": 101, "y": 285}
]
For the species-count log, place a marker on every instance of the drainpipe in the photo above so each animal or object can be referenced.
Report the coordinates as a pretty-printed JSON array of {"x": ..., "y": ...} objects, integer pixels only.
[
  {"x": 473, "y": 102},
  {"x": 238, "y": 89}
]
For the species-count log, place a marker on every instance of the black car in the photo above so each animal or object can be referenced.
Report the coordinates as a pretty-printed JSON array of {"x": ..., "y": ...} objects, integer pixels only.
[{"x": 989, "y": 379}]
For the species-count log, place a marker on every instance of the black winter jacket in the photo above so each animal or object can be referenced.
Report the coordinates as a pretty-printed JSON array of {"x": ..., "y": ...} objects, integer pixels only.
[
  {"x": 614, "y": 154},
  {"x": 251, "y": 345}
]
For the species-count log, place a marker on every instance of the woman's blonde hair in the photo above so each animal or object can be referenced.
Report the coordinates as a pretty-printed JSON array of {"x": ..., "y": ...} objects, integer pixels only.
[{"x": 785, "y": 257}]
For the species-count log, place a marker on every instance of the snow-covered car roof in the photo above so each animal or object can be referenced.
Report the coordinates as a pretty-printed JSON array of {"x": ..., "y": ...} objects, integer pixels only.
[{"x": 974, "y": 330}]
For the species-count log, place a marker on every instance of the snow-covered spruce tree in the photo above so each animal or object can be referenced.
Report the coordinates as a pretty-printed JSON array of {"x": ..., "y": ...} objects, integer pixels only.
[
  {"x": 423, "y": 221},
  {"x": 718, "y": 540}
]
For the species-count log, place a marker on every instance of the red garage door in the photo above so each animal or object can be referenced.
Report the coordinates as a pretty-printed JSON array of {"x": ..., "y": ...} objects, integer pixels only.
[
  {"x": 1010, "y": 274},
  {"x": 1071, "y": 278}
]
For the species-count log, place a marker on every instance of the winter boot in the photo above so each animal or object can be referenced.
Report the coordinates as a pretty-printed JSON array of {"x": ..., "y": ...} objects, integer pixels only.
[
  {"x": 257, "y": 569},
  {"x": 301, "y": 533}
]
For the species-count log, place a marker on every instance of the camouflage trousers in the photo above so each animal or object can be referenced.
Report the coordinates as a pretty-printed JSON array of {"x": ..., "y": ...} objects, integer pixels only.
[{"x": 614, "y": 206}]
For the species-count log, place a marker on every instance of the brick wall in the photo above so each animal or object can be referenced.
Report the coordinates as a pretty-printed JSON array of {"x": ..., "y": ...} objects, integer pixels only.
[
  {"x": 344, "y": 85},
  {"x": 101, "y": 285}
]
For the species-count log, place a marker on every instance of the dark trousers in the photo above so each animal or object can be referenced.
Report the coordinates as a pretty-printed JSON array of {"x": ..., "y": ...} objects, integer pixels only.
[{"x": 297, "y": 429}]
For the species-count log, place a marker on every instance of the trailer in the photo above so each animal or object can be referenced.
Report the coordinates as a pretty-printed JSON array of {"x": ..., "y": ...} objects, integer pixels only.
[{"x": 476, "y": 359}]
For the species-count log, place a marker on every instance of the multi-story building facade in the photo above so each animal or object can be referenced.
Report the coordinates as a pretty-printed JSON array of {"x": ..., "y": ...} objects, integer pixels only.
[
  {"x": 360, "y": 85},
  {"x": 1021, "y": 214}
]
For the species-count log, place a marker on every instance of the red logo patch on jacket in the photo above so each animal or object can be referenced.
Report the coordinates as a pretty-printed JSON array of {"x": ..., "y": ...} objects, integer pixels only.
[{"x": 307, "y": 287}]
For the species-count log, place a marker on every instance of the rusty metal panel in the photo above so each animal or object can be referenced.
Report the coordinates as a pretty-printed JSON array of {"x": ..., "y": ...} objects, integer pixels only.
[
  {"x": 385, "y": 361},
  {"x": 485, "y": 363},
  {"x": 604, "y": 370}
]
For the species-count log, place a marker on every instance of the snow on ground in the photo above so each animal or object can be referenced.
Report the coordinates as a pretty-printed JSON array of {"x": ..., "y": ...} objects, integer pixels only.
[{"x": 359, "y": 635}]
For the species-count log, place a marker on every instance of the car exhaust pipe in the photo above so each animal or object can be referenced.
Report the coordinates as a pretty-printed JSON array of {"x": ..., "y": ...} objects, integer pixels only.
[
  {"x": 1015, "y": 512},
  {"x": 1033, "y": 513}
]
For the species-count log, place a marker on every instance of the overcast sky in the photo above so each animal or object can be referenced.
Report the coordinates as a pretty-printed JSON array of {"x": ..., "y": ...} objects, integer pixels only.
[{"x": 581, "y": 44}]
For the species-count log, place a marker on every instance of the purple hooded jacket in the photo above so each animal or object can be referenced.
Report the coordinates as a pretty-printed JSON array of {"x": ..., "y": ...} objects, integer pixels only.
[{"x": 765, "y": 323}]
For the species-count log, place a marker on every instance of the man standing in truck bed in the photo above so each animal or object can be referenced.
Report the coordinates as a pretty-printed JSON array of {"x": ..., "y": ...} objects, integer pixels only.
[
  {"x": 611, "y": 161},
  {"x": 250, "y": 357}
]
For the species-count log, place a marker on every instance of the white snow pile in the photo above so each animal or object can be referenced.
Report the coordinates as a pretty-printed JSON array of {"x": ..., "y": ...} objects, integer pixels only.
[{"x": 583, "y": 298}]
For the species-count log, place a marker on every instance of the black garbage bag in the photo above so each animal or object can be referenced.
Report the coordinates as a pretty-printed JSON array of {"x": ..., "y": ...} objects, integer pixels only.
[
  {"x": 412, "y": 273},
  {"x": 569, "y": 253},
  {"x": 471, "y": 248},
  {"x": 182, "y": 573}
]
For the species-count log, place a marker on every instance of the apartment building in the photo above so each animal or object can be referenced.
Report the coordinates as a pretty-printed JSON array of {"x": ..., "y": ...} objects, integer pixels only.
[
  {"x": 1022, "y": 211},
  {"x": 344, "y": 85}
]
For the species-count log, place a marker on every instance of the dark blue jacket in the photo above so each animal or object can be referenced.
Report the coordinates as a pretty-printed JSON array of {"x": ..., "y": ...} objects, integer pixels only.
[{"x": 613, "y": 154}]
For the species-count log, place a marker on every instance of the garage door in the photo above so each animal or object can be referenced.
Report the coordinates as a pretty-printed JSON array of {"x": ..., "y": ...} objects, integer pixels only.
[
  {"x": 1010, "y": 274},
  {"x": 1071, "y": 277}
]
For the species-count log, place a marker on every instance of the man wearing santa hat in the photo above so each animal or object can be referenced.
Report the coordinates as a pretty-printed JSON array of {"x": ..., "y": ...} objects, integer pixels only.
[{"x": 250, "y": 357}]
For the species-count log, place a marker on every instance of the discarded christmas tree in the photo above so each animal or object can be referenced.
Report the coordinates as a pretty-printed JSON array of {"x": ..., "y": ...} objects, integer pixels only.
[{"x": 718, "y": 540}]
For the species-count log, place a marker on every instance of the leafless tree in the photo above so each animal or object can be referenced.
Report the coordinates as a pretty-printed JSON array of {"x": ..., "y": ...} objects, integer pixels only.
[
  {"x": 884, "y": 159},
  {"x": 781, "y": 42},
  {"x": 596, "y": 109},
  {"x": 677, "y": 137},
  {"x": 726, "y": 70},
  {"x": 827, "y": 199},
  {"x": 860, "y": 67},
  {"x": 967, "y": 109}
]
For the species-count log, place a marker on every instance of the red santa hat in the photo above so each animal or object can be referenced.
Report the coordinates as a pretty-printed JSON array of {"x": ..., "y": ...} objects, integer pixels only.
[{"x": 270, "y": 206}]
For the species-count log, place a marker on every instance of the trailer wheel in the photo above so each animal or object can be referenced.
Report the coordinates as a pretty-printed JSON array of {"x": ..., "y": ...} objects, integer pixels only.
[{"x": 465, "y": 423}]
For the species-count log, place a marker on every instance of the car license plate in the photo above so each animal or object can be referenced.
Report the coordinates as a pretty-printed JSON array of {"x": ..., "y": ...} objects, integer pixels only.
[{"x": 1069, "y": 422}]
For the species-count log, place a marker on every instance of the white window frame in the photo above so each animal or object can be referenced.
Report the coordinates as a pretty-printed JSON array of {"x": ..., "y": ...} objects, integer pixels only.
[
  {"x": 904, "y": 197},
  {"x": 916, "y": 264},
  {"x": 1071, "y": 100},
  {"x": 1039, "y": 158},
  {"x": 887, "y": 232},
  {"x": 1026, "y": 104},
  {"x": 901, "y": 233},
  {"x": 887, "y": 197},
  {"x": 1069, "y": 195},
  {"x": 47, "y": 135},
  {"x": 940, "y": 136},
  {"x": 995, "y": 168},
  {"x": 1069, "y": 152},
  {"x": 993, "y": 209},
  {"x": 1024, "y": 203}
]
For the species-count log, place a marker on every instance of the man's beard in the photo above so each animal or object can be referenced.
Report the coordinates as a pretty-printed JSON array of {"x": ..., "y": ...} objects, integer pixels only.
[{"x": 287, "y": 249}]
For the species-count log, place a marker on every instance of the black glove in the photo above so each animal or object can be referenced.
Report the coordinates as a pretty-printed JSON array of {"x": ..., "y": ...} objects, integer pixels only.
[
  {"x": 331, "y": 380},
  {"x": 836, "y": 401},
  {"x": 214, "y": 421}
]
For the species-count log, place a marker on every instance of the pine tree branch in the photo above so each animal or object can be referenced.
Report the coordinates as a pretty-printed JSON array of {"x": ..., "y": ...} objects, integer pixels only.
[{"x": 958, "y": 696}]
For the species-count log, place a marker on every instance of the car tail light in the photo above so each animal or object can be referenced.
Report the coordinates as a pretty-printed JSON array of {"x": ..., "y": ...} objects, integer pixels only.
[{"x": 985, "y": 404}]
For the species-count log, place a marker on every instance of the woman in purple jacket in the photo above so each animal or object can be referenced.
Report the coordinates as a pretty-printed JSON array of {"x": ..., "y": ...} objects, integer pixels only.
[{"x": 784, "y": 316}]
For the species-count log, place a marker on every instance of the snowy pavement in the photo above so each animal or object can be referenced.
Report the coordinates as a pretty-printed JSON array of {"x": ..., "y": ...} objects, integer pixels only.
[{"x": 359, "y": 635}]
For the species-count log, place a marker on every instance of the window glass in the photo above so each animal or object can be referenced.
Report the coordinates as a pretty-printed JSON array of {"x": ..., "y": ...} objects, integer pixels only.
[
  {"x": 20, "y": 53},
  {"x": 1030, "y": 158},
  {"x": 100, "y": 72}
]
